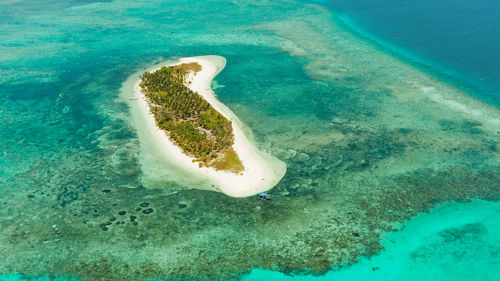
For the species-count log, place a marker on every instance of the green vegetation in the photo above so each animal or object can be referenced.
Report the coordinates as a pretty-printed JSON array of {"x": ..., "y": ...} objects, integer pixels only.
[
  {"x": 194, "y": 125},
  {"x": 228, "y": 160}
]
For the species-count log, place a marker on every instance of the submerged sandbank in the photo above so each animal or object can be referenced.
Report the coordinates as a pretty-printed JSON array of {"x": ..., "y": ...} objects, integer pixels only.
[{"x": 262, "y": 171}]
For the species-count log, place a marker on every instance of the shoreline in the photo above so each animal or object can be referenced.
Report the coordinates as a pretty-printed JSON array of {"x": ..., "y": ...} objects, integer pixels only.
[{"x": 262, "y": 171}]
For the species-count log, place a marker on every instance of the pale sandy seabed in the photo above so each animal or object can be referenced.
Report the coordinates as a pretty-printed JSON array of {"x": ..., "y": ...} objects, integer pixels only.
[{"x": 369, "y": 141}]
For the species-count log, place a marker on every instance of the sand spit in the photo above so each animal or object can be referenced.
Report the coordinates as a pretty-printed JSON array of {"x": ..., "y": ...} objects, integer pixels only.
[{"x": 262, "y": 171}]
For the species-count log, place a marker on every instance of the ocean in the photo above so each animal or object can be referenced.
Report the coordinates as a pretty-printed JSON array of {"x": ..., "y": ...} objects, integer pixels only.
[
  {"x": 391, "y": 144},
  {"x": 457, "y": 39}
]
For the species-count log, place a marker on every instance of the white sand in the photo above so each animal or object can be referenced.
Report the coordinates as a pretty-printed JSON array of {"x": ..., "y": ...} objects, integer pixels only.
[{"x": 262, "y": 171}]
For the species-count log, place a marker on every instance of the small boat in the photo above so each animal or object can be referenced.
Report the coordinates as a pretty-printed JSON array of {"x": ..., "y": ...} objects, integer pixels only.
[{"x": 264, "y": 196}]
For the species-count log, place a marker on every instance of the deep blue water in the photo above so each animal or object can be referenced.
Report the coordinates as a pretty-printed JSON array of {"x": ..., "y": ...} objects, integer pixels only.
[
  {"x": 459, "y": 38},
  {"x": 370, "y": 142}
]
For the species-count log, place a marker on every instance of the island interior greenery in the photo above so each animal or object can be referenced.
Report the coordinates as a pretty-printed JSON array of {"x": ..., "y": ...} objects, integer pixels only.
[{"x": 190, "y": 121}]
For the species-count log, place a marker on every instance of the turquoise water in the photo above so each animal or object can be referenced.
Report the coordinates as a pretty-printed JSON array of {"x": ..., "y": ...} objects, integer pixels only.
[
  {"x": 369, "y": 140},
  {"x": 441, "y": 245}
]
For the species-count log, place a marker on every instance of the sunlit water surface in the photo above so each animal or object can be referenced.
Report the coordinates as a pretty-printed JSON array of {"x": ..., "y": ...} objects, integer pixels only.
[{"x": 370, "y": 141}]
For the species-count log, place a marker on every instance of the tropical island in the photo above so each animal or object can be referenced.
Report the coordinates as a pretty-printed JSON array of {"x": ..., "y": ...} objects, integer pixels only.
[
  {"x": 191, "y": 122},
  {"x": 199, "y": 133}
]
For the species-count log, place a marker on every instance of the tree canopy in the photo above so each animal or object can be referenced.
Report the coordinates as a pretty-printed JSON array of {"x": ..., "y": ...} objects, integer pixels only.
[{"x": 190, "y": 121}]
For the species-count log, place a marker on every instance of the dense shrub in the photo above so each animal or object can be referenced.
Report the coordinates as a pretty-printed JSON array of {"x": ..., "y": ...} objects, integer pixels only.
[{"x": 189, "y": 119}]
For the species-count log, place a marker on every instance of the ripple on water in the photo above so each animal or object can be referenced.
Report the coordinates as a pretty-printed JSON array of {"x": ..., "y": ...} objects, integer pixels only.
[{"x": 369, "y": 142}]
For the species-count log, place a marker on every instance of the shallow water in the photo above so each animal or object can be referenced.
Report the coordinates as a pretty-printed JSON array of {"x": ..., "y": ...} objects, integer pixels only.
[
  {"x": 441, "y": 245},
  {"x": 369, "y": 141}
]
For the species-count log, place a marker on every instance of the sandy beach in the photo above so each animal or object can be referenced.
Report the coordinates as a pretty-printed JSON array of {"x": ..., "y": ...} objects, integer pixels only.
[{"x": 262, "y": 171}]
